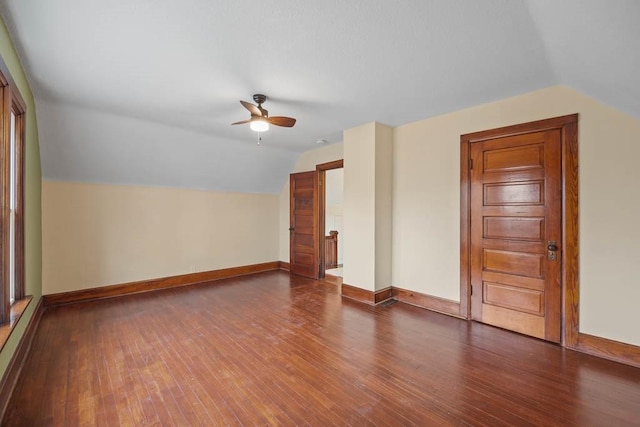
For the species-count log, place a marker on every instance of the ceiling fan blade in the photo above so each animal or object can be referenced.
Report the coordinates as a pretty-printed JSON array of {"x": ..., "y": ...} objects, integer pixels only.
[
  {"x": 242, "y": 122},
  {"x": 255, "y": 111},
  {"x": 282, "y": 121}
]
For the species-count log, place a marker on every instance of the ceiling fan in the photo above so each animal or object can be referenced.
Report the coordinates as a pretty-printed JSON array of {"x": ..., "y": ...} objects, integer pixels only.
[{"x": 260, "y": 120}]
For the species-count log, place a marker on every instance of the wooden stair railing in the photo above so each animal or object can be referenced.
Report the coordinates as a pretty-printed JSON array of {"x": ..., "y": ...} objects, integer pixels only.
[{"x": 331, "y": 250}]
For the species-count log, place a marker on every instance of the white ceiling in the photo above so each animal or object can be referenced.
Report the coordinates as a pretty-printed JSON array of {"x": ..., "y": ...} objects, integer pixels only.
[{"x": 144, "y": 91}]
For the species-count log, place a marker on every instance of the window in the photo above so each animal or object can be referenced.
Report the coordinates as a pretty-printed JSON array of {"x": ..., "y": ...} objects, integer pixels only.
[{"x": 12, "y": 125}]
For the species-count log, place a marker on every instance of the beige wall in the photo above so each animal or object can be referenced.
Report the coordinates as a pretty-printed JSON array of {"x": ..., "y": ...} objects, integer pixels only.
[
  {"x": 426, "y": 201},
  {"x": 359, "y": 207},
  {"x": 33, "y": 229},
  {"x": 368, "y": 157},
  {"x": 98, "y": 234},
  {"x": 306, "y": 162},
  {"x": 384, "y": 206}
]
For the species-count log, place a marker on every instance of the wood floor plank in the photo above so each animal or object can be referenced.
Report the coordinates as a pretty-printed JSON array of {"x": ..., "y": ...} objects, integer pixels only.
[{"x": 275, "y": 349}]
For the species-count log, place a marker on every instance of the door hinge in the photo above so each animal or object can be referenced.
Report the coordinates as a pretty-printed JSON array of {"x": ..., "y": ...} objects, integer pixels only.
[
  {"x": 470, "y": 163},
  {"x": 471, "y": 290}
]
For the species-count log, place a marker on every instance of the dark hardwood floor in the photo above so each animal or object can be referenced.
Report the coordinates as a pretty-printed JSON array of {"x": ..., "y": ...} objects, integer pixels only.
[{"x": 270, "y": 349}]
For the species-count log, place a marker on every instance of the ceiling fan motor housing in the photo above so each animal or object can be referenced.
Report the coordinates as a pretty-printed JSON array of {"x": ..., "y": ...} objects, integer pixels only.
[{"x": 259, "y": 98}]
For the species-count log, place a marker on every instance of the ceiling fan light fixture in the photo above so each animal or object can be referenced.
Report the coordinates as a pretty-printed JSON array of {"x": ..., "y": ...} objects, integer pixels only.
[
  {"x": 260, "y": 119},
  {"x": 259, "y": 125}
]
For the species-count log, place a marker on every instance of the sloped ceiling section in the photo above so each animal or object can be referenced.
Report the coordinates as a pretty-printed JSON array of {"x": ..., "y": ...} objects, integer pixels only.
[
  {"x": 144, "y": 92},
  {"x": 594, "y": 47},
  {"x": 82, "y": 144}
]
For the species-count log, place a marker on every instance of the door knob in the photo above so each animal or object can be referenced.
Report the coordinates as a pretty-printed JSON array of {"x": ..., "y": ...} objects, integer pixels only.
[{"x": 551, "y": 250}]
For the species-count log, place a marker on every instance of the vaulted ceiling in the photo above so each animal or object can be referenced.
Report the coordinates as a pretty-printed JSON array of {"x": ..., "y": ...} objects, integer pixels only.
[{"x": 144, "y": 91}]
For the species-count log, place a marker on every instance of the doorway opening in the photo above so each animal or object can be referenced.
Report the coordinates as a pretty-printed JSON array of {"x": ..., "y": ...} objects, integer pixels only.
[{"x": 330, "y": 227}]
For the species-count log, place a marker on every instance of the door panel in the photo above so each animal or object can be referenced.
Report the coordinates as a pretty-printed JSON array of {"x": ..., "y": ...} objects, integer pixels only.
[
  {"x": 518, "y": 158},
  {"x": 303, "y": 234},
  {"x": 515, "y": 228},
  {"x": 514, "y": 297},
  {"x": 510, "y": 194},
  {"x": 515, "y": 213},
  {"x": 516, "y": 263}
]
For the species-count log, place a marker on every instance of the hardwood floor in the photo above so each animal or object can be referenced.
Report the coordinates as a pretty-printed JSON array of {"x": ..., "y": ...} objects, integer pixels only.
[{"x": 270, "y": 349}]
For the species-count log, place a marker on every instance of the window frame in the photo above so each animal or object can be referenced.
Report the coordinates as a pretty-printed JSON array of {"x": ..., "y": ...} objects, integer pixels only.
[{"x": 12, "y": 102}]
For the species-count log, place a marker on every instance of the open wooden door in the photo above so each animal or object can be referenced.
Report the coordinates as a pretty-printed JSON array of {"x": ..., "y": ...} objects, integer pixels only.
[{"x": 304, "y": 251}]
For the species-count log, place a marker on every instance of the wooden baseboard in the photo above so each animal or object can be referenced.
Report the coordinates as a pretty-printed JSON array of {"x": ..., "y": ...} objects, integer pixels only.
[
  {"x": 596, "y": 346},
  {"x": 617, "y": 351},
  {"x": 156, "y": 284},
  {"x": 428, "y": 302},
  {"x": 10, "y": 377},
  {"x": 383, "y": 295},
  {"x": 358, "y": 294},
  {"x": 366, "y": 296},
  {"x": 283, "y": 265}
]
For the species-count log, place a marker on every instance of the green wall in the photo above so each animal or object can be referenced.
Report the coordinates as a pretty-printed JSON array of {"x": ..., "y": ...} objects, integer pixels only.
[{"x": 33, "y": 207}]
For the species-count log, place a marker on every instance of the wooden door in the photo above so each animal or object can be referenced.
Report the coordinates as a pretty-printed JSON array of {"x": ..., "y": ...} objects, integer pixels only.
[
  {"x": 303, "y": 224},
  {"x": 516, "y": 232}
]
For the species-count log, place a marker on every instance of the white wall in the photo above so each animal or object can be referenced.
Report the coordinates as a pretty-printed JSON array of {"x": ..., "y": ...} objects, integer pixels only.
[
  {"x": 102, "y": 234},
  {"x": 334, "y": 209},
  {"x": 426, "y": 202}
]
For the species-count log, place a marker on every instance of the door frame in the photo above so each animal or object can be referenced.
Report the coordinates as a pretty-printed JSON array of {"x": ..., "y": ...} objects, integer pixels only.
[
  {"x": 568, "y": 126},
  {"x": 321, "y": 169}
]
